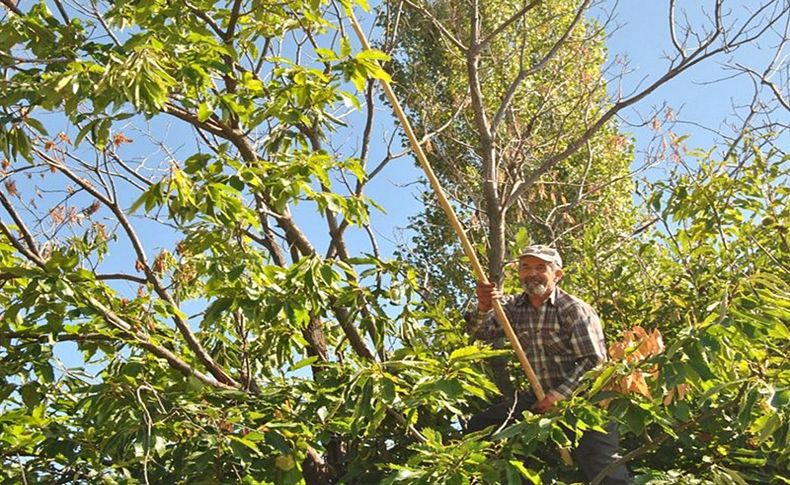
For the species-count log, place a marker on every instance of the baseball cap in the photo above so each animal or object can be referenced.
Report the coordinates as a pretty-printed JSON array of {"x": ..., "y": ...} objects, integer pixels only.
[{"x": 543, "y": 252}]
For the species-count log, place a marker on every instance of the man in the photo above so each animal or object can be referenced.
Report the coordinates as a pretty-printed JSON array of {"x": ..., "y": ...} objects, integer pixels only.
[{"x": 562, "y": 338}]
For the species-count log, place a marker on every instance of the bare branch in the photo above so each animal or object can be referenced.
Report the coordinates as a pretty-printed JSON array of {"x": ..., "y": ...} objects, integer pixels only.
[
  {"x": 369, "y": 116},
  {"x": 699, "y": 55},
  {"x": 121, "y": 276},
  {"x": 762, "y": 78},
  {"x": 129, "y": 170},
  {"x": 444, "y": 31},
  {"x": 672, "y": 33},
  {"x": 104, "y": 25},
  {"x": 507, "y": 23},
  {"x": 234, "y": 18},
  {"x": 62, "y": 10},
  {"x": 26, "y": 235},
  {"x": 508, "y": 98},
  {"x": 11, "y": 5}
]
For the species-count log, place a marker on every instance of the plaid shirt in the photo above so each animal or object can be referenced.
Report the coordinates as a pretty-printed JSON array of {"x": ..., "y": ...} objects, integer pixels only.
[{"x": 562, "y": 339}]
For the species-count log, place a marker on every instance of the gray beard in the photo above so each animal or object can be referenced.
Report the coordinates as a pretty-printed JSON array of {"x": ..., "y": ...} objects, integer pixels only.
[{"x": 534, "y": 288}]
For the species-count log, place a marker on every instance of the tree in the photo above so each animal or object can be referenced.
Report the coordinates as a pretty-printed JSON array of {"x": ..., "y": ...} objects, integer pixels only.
[
  {"x": 217, "y": 395},
  {"x": 714, "y": 280},
  {"x": 520, "y": 110},
  {"x": 195, "y": 350}
]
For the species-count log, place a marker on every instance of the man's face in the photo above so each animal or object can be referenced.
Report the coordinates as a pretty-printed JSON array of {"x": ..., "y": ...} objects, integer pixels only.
[{"x": 538, "y": 278}]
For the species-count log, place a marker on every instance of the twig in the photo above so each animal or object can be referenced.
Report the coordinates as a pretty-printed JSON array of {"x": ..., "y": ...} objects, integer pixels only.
[
  {"x": 445, "y": 32},
  {"x": 10, "y": 5}
]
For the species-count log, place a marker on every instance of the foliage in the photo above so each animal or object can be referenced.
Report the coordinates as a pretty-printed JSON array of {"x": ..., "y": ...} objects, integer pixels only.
[
  {"x": 167, "y": 318},
  {"x": 714, "y": 281}
]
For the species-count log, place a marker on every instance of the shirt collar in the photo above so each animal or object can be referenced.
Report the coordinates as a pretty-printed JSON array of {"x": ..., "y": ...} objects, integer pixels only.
[
  {"x": 523, "y": 300},
  {"x": 553, "y": 297}
]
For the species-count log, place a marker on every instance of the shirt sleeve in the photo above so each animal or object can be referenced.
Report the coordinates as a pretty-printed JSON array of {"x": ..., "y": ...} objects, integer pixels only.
[
  {"x": 587, "y": 344},
  {"x": 484, "y": 326}
]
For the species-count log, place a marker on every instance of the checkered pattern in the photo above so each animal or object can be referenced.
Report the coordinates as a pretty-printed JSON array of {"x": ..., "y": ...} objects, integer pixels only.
[{"x": 563, "y": 338}]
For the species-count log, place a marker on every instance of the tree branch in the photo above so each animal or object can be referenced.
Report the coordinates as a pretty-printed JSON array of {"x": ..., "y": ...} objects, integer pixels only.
[
  {"x": 199, "y": 13},
  {"x": 26, "y": 235},
  {"x": 63, "y": 337},
  {"x": 20, "y": 247},
  {"x": 104, "y": 25},
  {"x": 672, "y": 34},
  {"x": 698, "y": 56},
  {"x": 234, "y": 18},
  {"x": 183, "y": 326},
  {"x": 500, "y": 115},
  {"x": 121, "y": 276},
  {"x": 62, "y": 10},
  {"x": 507, "y": 23},
  {"x": 159, "y": 351},
  {"x": 10, "y": 5},
  {"x": 765, "y": 82},
  {"x": 444, "y": 31}
]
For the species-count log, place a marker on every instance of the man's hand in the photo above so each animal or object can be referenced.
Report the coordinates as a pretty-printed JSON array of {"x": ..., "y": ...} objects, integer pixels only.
[
  {"x": 547, "y": 403},
  {"x": 486, "y": 293}
]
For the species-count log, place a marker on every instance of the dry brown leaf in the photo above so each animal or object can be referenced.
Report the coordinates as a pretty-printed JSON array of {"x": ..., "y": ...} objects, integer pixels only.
[
  {"x": 10, "y": 187},
  {"x": 58, "y": 214},
  {"x": 119, "y": 139}
]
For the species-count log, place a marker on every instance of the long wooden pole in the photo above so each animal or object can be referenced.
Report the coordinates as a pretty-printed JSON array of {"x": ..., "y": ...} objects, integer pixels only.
[{"x": 469, "y": 250}]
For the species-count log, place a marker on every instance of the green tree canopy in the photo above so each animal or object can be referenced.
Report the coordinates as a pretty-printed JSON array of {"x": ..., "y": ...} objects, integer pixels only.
[{"x": 212, "y": 334}]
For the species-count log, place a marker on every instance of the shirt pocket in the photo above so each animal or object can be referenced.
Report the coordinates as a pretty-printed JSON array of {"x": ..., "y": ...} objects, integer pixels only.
[{"x": 556, "y": 343}]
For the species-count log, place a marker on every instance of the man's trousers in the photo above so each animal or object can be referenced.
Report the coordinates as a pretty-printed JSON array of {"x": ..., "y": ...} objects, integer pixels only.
[{"x": 595, "y": 451}]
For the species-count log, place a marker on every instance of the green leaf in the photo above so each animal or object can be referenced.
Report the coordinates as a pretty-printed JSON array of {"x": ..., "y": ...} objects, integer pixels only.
[
  {"x": 45, "y": 372},
  {"x": 204, "y": 111},
  {"x": 160, "y": 445},
  {"x": 215, "y": 309},
  {"x": 698, "y": 362},
  {"x": 766, "y": 426},
  {"x": 363, "y": 4},
  {"x": 36, "y": 125},
  {"x": 473, "y": 353},
  {"x": 518, "y": 429},
  {"x": 249, "y": 444},
  {"x": 326, "y": 54},
  {"x": 303, "y": 363},
  {"x": 30, "y": 394},
  {"x": 524, "y": 472},
  {"x": 147, "y": 198},
  {"x": 345, "y": 47},
  {"x": 235, "y": 273},
  {"x": 732, "y": 477},
  {"x": 373, "y": 55},
  {"x": 602, "y": 379}
]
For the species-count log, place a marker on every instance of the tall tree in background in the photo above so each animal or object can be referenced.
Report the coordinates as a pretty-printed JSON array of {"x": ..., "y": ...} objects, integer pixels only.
[
  {"x": 519, "y": 107},
  {"x": 506, "y": 87}
]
